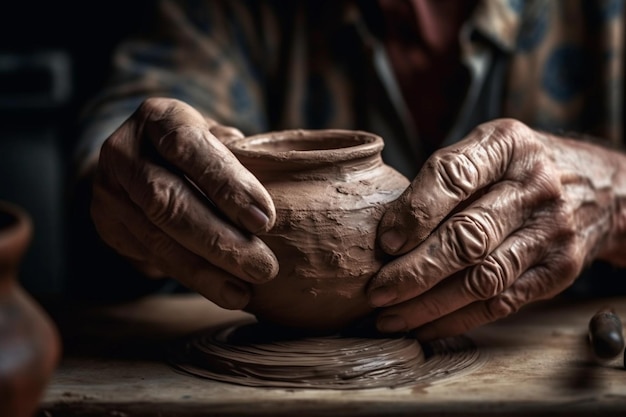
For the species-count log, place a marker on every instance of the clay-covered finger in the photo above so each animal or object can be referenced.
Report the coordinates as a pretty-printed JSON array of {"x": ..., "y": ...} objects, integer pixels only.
[
  {"x": 181, "y": 136},
  {"x": 484, "y": 281},
  {"x": 200, "y": 276},
  {"x": 114, "y": 232},
  {"x": 449, "y": 178},
  {"x": 162, "y": 204},
  {"x": 197, "y": 274},
  {"x": 538, "y": 283},
  {"x": 107, "y": 208},
  {"x": 467, "y": 238},
  {"x": 180, "y": 263}
]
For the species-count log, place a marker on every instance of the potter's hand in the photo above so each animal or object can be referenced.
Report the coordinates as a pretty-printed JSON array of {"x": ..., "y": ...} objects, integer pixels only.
[
  {"x": 172, "y": 198},
  {"x": 505, "y": 217}
]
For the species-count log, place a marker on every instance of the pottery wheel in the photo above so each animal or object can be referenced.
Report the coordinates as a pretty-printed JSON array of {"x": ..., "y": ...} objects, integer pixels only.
[{"x": 252, "y": 355}]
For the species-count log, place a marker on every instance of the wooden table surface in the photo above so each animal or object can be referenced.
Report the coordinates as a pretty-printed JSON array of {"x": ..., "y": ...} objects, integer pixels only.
[{"x": 535, "y": 363}]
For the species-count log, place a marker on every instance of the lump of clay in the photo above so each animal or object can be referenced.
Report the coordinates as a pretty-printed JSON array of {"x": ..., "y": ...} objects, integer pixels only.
[{"x": 330, "y": 188}]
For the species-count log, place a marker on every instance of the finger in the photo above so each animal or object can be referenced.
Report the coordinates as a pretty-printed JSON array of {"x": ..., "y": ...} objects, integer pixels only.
[
  {"x": 226, "y": 134},
  {"x": 536, "y": 284},
  {"x": 481, "y": 282},
  {"x": 465, "y": 239},
  {"x": 181, "y": 136},
  {"x": 449, "y": 177},
  {"x": 167, "y": 207},
  {"x": 157, "y": 248},
  {"x": 116, "y": 234}
]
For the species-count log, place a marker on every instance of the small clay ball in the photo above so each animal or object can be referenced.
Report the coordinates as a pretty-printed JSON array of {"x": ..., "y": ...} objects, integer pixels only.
[{"x": 606, "y": 334}]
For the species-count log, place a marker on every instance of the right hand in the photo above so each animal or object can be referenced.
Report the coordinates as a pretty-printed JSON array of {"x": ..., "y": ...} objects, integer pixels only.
[{"x": 169, "y": 196}]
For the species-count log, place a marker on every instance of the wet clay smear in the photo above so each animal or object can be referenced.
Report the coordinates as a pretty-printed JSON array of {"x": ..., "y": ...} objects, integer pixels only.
[{"x": 249, "y": 355}]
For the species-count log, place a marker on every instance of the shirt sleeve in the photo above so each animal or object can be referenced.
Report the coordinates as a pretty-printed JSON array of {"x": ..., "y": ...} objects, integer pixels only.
[{"x": 208, "y": 54}]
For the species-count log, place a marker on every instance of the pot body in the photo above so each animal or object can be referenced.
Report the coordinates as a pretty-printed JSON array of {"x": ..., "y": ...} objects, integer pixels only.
[
  {"x": 29, "y": 342},
  {"x": 330, "y": 189}
]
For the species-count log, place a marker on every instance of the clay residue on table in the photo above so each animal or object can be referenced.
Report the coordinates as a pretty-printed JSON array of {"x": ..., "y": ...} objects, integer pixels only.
[{"x": 251, "y": 355}]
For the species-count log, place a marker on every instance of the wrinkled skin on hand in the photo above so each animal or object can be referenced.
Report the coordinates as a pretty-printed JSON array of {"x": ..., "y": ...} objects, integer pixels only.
[
  {"x": 503, "y": 218},
  {"x": 170, "y": 197}
]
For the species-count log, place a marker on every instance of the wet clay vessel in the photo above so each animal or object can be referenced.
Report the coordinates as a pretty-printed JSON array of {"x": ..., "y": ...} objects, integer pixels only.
[
  {"x": 29, "y": 342},
  {"x": 330, "y": 188}
]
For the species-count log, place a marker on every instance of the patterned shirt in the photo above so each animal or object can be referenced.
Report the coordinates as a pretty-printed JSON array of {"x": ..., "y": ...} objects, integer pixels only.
[{"x": 262, "y": 65}]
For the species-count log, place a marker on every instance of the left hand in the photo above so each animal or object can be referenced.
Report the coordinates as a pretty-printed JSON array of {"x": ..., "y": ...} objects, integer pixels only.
[{"x": 503, "y": 218}]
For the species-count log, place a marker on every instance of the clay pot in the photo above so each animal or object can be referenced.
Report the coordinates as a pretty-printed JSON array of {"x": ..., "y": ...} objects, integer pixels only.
[
  {"x": 29, "y": 341},
  {"x": 330, "y": 188}
]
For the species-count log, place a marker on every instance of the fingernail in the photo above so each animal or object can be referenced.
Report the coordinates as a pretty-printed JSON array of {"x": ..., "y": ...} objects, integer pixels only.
[
  {"x": 391, "y": 324},
  {"x": 382, "y": 296},
  {"x": 234, "y": 295},
  {"x": 392, "y": 240},
  {"x": 253, "y": 219}
]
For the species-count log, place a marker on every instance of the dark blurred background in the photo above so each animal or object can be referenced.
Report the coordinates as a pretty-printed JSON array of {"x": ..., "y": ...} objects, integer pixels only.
[{"x": 53, "y": 57}]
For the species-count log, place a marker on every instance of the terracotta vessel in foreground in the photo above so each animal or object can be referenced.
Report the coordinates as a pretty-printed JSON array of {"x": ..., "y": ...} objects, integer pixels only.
[
  {"x": 29, "y": 342},
  {"x": 330, "y": 188}
]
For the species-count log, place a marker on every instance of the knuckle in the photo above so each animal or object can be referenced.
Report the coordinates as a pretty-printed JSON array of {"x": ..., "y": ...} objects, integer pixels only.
[
  {"x": 506, "y": 132},
  {"x": 497, "y": 137},
  {"x": 221, "y": 249},
  {"x": 532, "y": 170},
  {"x": 223, "y": 188},
  {"x": 431, "y": 309},
  {"x": 179, "y": 142},
  {"x": 466, "y": 239},
  {"x": 567, "y": 262},
  {"x": 412, "y": 278},
  {"x": 157, "y": 107},
  {"x": 162, "y": 201},
  {"x": 173, "y": 138},
  {"x": 501, "y": 306},
  {"x": 538, "y": 283},
  {"x": 455, "y": 172},
  {"x": 486, "y": 280},
  {"x": 505, "y": 127},
  {"x": 411, "y": 211},
  {"x": 542, "y": 181}
]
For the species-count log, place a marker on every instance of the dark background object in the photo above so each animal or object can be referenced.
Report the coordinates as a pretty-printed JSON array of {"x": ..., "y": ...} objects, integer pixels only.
[{"x": 53, "y": 57}]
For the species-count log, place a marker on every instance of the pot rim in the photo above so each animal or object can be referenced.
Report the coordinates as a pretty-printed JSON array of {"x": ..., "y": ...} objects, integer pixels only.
[{"x": 349, "y": 145}]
